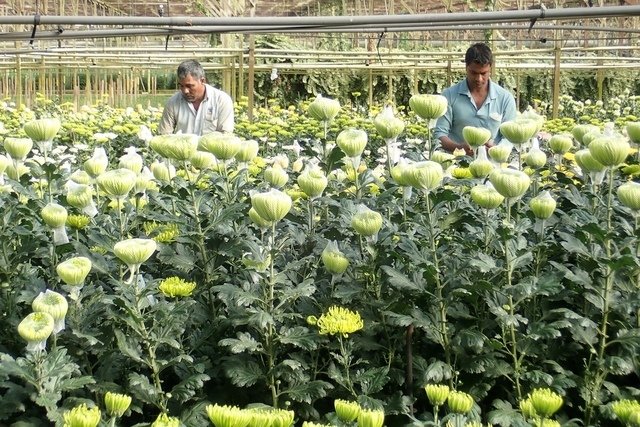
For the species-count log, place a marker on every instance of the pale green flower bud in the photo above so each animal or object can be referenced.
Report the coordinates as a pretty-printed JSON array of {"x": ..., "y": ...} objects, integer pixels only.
[
  {"x": 272, "y": 205},
  {"x": 117, "y": 183},
  {"x": 500, "y": 153},
  {"x": 54, "y": 215},
  {"x": 323, "y": 109},
  {"x": 510, "y": 183},
  {"x": 352, "y": 142},
  {"x": 82, "y": 416},
  {"x": 15, "y": 171},
  {"x": 425, "y": 175},
  {"x": 370, "y": 418},
  {"x": 179, "y": 147},
  {"x": 481, "y": 168},
  {"x": 333, "y": 259},
  {"x": 134, "y": 251},
  {"x": 18, "y": 148},
  {"x": 258, "y": 220},
  {"x": 248, "y": 150},
  {"x": 587, "y": 162},
  {"x": 475, "y": 136},
  {"x": 276, "y": 176},
  {"x": 313, "y": 181},
  {"x": 74, "y": 271},
  {"x": 346, "y": 411},
  {"x": 228, "y": 416},
  {"x": 400, "y": 173},
  {"x": 527, "y": 409},
  {"x": 519, "y": 131},
  {"x": 609, "y": 150},
  {"x": 428, "y": 107},
  {"x": 42, "y": 129},
  {"x": 35, "y": 329},
  {"x": 366, "y": 222},
  {"x": 437, "y": 393},
  {"x": 97, "y": 164},
  {"x": 387, "y": 125},
  {"x": 560, "y": 144},
  {"x": 80, "y": 177},
  {"x": 222, "y": 145},
  {"x": 633, "y": 131},
  {"x": 131, "y": 160},
  {"x": 579, "y": 131},
  {"x": 4, "y": 163},
  {"x": 545, "y": 402},
  {"x": 542, "y": 205},
  {"x": 629, "y": 195},
  {"x": 623, "y": 409},
  {"x": 80, "y": 196},
  {"x": 165, "y": 420},
  {"x": 459, "y": 402},
  {"x": 163, "y": 172},
  {"x": 590, "y": 136},
  {"x": 116, "y": 404},
  {"x": 486, "y": 196},
  {"x": 54, "y": 304},
  {"x": 203, "y": 160},
  {"x": 535, "y": 158},
  {"x": 442, "y": 157}
]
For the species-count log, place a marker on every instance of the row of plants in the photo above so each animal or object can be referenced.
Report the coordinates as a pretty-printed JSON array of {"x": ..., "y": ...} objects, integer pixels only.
[{"x": 319, "y": 267}]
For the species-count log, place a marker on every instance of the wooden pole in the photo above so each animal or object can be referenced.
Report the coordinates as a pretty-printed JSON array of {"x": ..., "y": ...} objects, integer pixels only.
[
  {"x": 252, "y": 61},
  {"x": 556, "y": 78},
  {"x": 19, "y": 80}
]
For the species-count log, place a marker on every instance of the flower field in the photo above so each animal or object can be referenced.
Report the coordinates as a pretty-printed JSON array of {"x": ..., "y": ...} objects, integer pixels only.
[{"x": 323, "y": 266}]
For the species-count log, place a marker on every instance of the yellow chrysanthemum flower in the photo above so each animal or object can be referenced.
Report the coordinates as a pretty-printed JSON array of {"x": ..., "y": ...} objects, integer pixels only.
[
  {"x": 176, "y": 287},
  {"x": 339, "y": 320}
]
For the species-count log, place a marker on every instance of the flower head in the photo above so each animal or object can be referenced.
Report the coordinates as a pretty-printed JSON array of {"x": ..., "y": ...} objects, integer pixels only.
[
  {"x": 165, "y": 420},
  {"x": 437, "y": 393},
  {"x": 623, "y": 409},
  {"x": 54, "y": 215},
  {"x": 134, "y": 252},
  {"x": 313, "y": 181},
  {"x": 276, "y": 176},
  {"x": 35, "y": 329},
  {"x": 542, "y": 205},
  {"x": 428, "y": 106},
  {"x": 176, "y": 287},
  {"x": 41, "y": 130},
  {"x": 323, "y": 109},
  {"x": 248, "y": 150},
  {"x": 388, "y": 125},
  {"x": 97, "y": 164},
  {"x": 178, "y": 147},
  {"x": 629, "y": 195},
  {"x": 117, "y": 183},
  {"x": 371, "y": 418},
  {"x": 545, "y": 401},
  {"x": 346, "y": 410},
  {"x": 116, "y": 404},
  {"x": 18, "y": 148},
  {"x": 519, "y": 131},
  {"x": 366, "y": 222},
  {"x": 272, "y": 205},
  {"x": 82, "y": 416},
  {"x": 221, "y": 144},
  {"x": 475, "y": 136},
  {"x": 339, "y": 320},
  {"x": 609, "y": 150},
  {"x": 511, "y": 183},
  {"x": 352, "y": 142},
  {"x": 333, "y": 259},
  {"x": 459, "y": 402},
  {"x": 53, "y": 303},
  {"x": 131, "y": 160},
  {"x": 228, "y": 416}
]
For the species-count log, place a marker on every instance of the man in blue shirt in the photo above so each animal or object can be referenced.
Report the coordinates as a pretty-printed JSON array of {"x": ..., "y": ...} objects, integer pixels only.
[{"x": 474, "y": 101}]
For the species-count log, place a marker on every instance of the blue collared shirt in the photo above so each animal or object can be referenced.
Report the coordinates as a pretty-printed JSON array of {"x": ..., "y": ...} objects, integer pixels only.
[{"x": 499, "y": 107}]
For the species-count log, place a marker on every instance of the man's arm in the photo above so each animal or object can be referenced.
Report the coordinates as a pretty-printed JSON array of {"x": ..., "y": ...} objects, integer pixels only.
[
  {"x": 450, "y": 145},
  {"x": 225, "y": 113},
  {"x": 168, "y": 120}
]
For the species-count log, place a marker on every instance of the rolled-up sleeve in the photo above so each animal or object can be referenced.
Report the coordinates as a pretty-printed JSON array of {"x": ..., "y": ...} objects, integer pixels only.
[{"x": 444, "y": 122}]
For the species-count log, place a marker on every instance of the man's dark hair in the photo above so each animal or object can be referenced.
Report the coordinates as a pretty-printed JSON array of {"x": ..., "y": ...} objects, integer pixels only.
[
  {"x": 478, "y": 53},
  {"x": 190, "y": 67}
]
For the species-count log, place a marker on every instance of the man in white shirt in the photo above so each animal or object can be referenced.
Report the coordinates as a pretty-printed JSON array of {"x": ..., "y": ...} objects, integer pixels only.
[{"x": 197, "y": 108}]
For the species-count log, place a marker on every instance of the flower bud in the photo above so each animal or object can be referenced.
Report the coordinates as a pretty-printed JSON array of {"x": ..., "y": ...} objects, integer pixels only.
[
  {"x": 545, "y": 401},
  {"x": 42, "y": 129},
  {"x": 346, "y": 411},
  {"x": 15, "y": 171},
  {"x": 82, "y": 416},
  {"x": 633, "y": 131},
  {"x": 163, "y": 172},
  {"x": 609, "y": 150},
  {"x": 54, "y": 215},
  {"x": 459, "y": 402},
  {"x": 179, "y": 147},
  {"x": 333, "y": 259},
  {"x": 510, "y": 183},
  {"x": 587, "y": 162},
  {"x": 4, "y": 163},
  {"x": 165, "y": 420},
  {"x": 134, "y": 251},
  {"x": 542, "y": 205},
  {"x": 131, "y": 160},
  {"x": 176, "y": 287},
  {"x": 437, "y": 393},
  {"x": 228, "y": 416},
  {"x": 258, "y": 220},
  {"x": 425, "y": 175},
  {"x": 400, "y": 173},
  {"x": 248, "y": 150},
  {"x": 323, "y": 109},
  {"x": 222, "y": 145},
  {"x": 352, "y": 142},
  {"x": 54, "y": 304},
  {"x": 116, "y": 404},
  {"x": 481, "y": 168},
  {"x": 500, "y": 153},
  {"x": 560, "y": 144},
  {"x": 203, "y": 160},
  {"x": 535, "y": 158},
  {"x": 366, "y": 222},
  {"x": 579, "y": 131},
  {"x": 519, "y": 131},
  {"x": 486, "y": 196},
  {"x": 80, "y": 177},
  {"x": 370, "y": 418},
  {"x": 475, "y": 136},
  {"x": 623, "y": 409},
  {"x": 442, "y": 157},
  {"x": 35, "y": 329},
  {"x": 387, "y": 125},
  {"x": 117, "y": 183},
  {"x": 272, "y": 205},
  {"x": 590, "y": 136},
  {"x": 428, "y": 107},
  {"x": 74, "y": 271},
  {"x": 97, "y": 164},
  {"x": 527, "y": 409},
  {"x": 80, "y": 196},
  {"x": 629, "y": 195},
  {"x": 276, "y": 176},
  {"x": 312, "y": 181},
  {"x": 18, "y": 148}
]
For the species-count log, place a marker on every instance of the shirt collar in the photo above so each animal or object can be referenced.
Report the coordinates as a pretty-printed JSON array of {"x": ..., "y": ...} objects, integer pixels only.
[{"x": 464, "y": 89}]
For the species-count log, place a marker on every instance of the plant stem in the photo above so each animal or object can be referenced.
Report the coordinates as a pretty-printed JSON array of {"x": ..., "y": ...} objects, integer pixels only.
[
  {"x": 346, "y": 357},
  {"x": 269, "y": 338},
  {"x": 512, "y": 329}
]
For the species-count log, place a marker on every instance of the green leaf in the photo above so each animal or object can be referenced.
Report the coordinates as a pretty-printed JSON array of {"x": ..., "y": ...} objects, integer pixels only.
[
  {"x": 573, "y": 245},
  {"x": 299, "y": 336},
  {"x": 373, "y": 380},
  {"x": 242, "y": 372},
  {"x": 401, "y": 282},
  {"x": 308, "y": 391},
  {"x": 505, "y": 415},
  {"x": 128, "y": 346},
  {"x": 244, "y": 343},
  {"x": 189, "y": 387},
  {"x": 483, "y": 262},
  {"x": 141, "y": 388}
]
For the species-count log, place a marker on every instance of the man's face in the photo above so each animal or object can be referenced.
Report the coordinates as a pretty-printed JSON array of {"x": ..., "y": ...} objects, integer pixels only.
[
  {"x": 192, "y": 89},
  {"x": 478, "y": 75}
]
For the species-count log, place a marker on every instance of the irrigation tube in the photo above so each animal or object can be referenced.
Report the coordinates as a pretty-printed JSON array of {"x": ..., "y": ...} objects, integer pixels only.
[{"x": 319, "y": 22}]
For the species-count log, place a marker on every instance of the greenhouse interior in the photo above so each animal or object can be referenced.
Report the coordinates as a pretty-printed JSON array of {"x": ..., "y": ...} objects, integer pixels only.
[{"x": 344, "y": 248}]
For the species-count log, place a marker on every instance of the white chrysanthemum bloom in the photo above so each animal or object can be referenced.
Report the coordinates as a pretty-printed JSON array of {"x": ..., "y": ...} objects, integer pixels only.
[
  {"x": 35, "y": 329},
  {"x": 134, "y": 252}
]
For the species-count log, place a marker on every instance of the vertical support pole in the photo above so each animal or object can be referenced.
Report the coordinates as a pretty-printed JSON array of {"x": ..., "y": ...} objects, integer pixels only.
[
  {"x": 252, "y": 61},
  {"x": 18, "y": 80},
  {"x": 556, "y": 78},
  {"x": 370, "y": 87}
]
